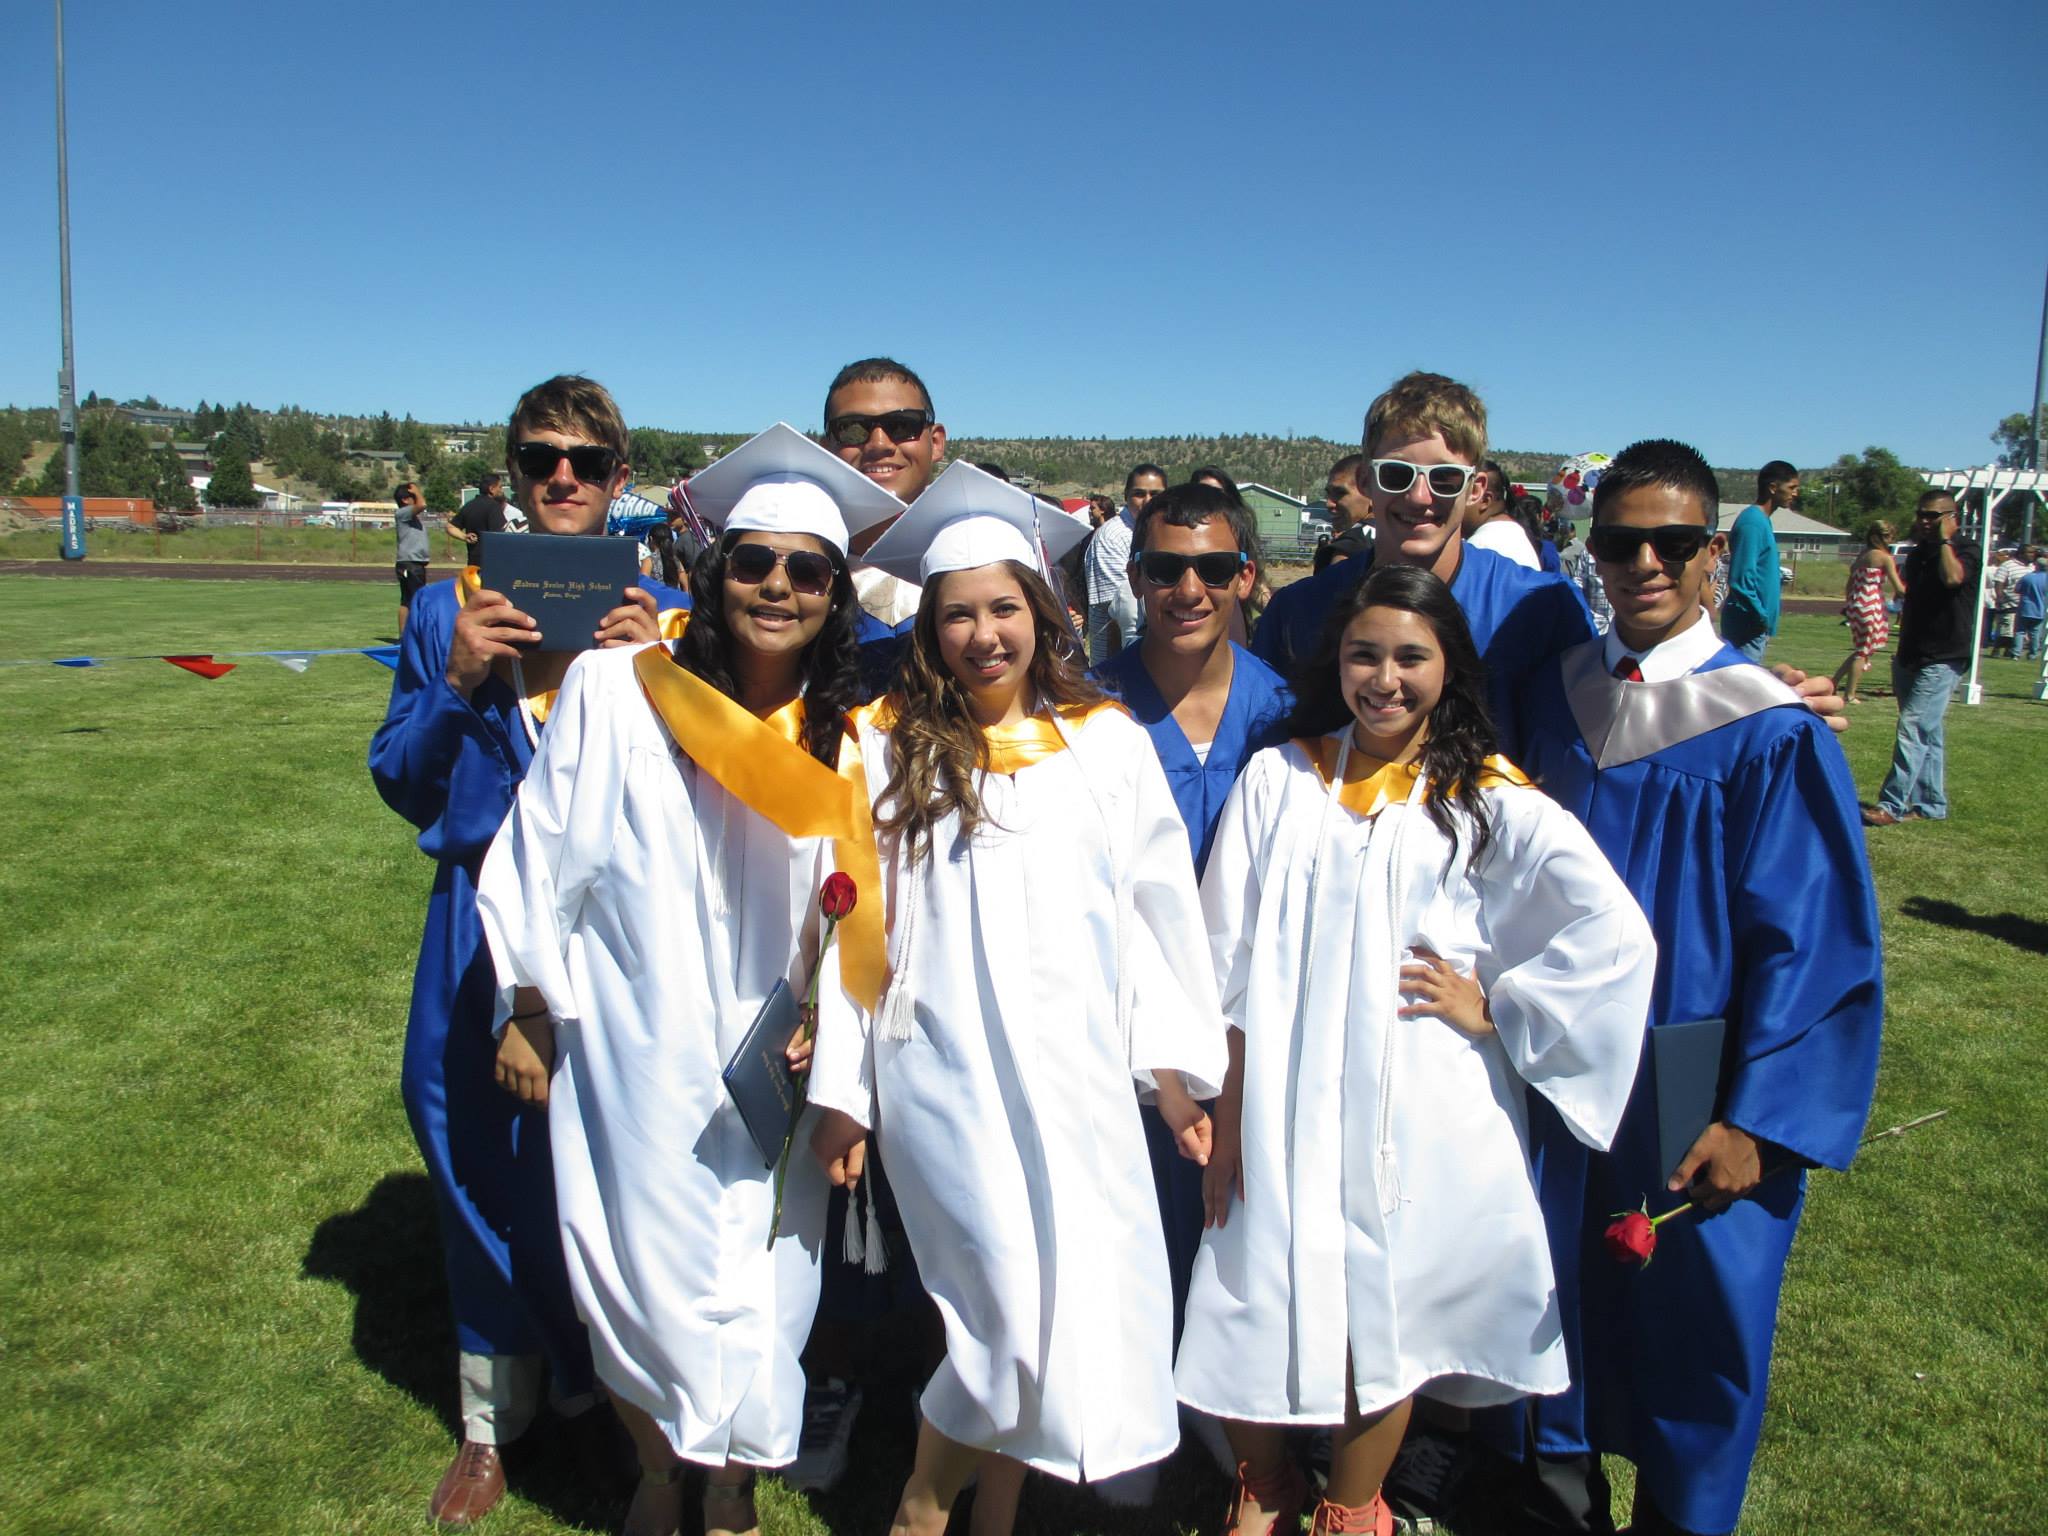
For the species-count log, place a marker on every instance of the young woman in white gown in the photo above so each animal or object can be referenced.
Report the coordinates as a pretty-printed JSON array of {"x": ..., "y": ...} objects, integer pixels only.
[
  {"x": 658, "y": 875},
  {"x": 1408, "y": 937},
  {"x": 1048, "y": 966}
]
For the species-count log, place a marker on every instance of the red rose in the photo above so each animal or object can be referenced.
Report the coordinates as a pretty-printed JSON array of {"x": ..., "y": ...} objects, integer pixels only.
[
  {"x": 1632, "y": 1239},
  {"x": 838, "y": 896}
]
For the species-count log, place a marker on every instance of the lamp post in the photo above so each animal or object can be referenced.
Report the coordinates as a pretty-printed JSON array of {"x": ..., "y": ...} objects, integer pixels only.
[{"x": 67, "y": 389}]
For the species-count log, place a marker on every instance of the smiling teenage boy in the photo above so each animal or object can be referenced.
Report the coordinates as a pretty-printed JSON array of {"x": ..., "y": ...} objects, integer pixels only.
[
  {"x": 469, "y": 698},
  {"x": 1729, "y": 811},
  {"x": 1425, "y": 440},
  {"x": 879, "y": 418}
]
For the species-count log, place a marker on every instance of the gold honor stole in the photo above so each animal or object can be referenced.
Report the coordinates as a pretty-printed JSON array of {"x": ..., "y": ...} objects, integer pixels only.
[
  {"x": 1371, "y": 785},
  {"x": 763, "y": 765},
  {"x": 1011, "y": 748},
  {"x": 672, "y": 621}
]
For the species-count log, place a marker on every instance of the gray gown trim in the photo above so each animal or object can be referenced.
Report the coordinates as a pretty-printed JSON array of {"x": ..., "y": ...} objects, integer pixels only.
[{"x": 1624, "y": 722}]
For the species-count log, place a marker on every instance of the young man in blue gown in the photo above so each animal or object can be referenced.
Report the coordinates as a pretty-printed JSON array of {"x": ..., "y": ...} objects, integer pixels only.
[
  {"x": 1729, "y": 810},
  {"x": 468, "y": 699},
  {"x": 1207, "y": 704}
]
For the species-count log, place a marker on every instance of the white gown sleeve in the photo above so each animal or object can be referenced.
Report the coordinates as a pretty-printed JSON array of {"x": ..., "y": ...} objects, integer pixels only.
[
  {"x": 1569, "y": 962},
  {"x": 1231, "y": 889},
  {"x": 557, "y": 837},
  {"x": 1176, "y": 1022}
]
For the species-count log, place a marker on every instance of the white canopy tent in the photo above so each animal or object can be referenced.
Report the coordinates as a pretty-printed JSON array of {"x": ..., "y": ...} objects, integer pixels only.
[{"x": 1979, "y": 493}]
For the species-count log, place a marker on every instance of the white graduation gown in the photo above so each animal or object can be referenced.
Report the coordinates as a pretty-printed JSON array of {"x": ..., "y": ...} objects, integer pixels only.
[
  {"x": 1009, "y": 1118},
  {"x": 1388, "y": 1206},
  {"x": 655, "y": 913}
]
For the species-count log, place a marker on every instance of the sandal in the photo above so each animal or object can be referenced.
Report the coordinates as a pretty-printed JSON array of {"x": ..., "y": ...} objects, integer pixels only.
[
  {"x": 740, "y": 1494},
  {"x": 1282, "y": 1495},
  {"x": 656, "y": 1480},
  {"x": 1373, "y": 1519}
]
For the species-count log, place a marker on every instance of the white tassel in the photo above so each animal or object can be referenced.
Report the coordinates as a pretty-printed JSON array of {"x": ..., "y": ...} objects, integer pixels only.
[
  {"x": 1389, "y": 1180},
  {"x": 877, "y": 1250}
]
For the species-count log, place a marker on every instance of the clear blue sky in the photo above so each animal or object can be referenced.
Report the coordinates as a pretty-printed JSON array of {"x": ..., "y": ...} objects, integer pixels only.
[{"x": 1775, "y": 230}]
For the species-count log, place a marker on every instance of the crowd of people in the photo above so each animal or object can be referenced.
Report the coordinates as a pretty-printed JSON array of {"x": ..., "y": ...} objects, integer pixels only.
[{"x": 1246, "y": 1020}]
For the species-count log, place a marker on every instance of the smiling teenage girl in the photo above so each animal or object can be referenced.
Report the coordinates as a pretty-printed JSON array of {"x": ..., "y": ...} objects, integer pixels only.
[
  {"x": 1047, "y": 967},
  {"x": 1375, "y": 1230}
]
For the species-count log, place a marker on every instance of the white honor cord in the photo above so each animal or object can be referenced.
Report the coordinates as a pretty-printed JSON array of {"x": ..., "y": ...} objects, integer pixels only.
[
  {"x": 1389, "y": 1172},
  {"x": 525, "y": 705},
  {"x": 1118, "y": 867}
]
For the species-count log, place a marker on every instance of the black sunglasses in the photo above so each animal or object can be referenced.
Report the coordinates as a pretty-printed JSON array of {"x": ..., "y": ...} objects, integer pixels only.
[
  {"x": 1675, "y": 543},
  {"x": 902, "y": 427},
  {"x": 1215, "y": 568},
  {"x": 592, "y": 463},
  {"x": 809, "y": 572}
]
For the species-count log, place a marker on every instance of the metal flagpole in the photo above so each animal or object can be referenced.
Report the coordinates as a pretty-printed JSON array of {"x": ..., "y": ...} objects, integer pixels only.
[
  {"x": 67, "y": 389},
  {"x": 2034, "y": 463}
]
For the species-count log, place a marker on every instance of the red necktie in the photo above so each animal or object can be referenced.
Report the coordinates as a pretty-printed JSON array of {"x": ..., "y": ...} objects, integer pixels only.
[{"x": 1627, "y": 670}]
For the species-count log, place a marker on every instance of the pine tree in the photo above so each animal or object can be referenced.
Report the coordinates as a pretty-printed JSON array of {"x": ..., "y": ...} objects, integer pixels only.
[{"x": 231, "y": 485}]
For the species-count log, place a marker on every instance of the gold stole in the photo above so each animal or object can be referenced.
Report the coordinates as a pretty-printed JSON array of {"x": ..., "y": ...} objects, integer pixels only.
[
  {"x": 763, "y": 765},
  {"x": 470, "y": 581},
  {"x": 1011, "y": 748},
  {"x": 1370, "y": 785}
]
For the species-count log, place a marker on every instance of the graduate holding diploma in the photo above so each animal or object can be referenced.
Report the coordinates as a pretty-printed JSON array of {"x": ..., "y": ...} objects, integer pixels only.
[
  {"x": 1047, "y": 967},
  {"x": 1408, "y": 937},
  {"x": 470, "y": 698},
  {"x": 658, "y": 875}
]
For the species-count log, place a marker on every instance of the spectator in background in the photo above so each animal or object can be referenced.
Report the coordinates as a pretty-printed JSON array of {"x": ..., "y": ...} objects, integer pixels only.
[
  {"x": 1937, "y": 625},
  {"x": 1351, "y": 527},
  {"x": 1112, "y": 609},
  {"x": 1749, "y": 616},
  {"x": 1490, "y": 520},
  {"x": 2033, "y": 588},
  {"x": 1100, "y": 509},
  {"x": 1528, "y": 511},
  {"x": 1209, "y": 474},
  {"x": 414, "y": 547},
  {"x": 484, "y": 512},
  {"x": 1584, "y": 572},
  {"x": 2005, "y": 599},
  {"x": 1870, "y": 627}
]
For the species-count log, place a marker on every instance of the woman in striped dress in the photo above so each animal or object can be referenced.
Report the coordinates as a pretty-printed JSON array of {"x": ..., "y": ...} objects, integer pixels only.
[{"x": 1869, "y": 627}]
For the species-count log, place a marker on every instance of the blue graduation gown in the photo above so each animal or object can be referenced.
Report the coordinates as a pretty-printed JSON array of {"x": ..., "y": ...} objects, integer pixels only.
[
  {"x": 1519, "y": 620},
  {"x": 1744, "y": 847},
  {"x": 451, "y": 767},
  {"x": 1254, "y": 717}
]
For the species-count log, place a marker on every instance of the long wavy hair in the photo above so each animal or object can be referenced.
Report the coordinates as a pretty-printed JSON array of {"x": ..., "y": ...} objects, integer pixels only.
[
  {"x": 1459, "y": 735},
  {"x": 830, "y": 663},
  {"x": 940, "y": 748}
]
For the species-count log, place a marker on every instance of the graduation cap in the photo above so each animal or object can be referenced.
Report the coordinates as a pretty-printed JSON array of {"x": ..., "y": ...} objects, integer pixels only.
[
  {"x": 779, "y": 481},
  {"x": 968, "y": 518}
]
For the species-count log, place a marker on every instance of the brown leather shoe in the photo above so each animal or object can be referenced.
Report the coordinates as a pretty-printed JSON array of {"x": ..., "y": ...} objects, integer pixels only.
[{"x": 470, "y": 1488}]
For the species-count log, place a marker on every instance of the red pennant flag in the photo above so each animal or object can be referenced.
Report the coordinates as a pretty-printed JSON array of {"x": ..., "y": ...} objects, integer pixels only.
[{"x": 202, "y": 666}]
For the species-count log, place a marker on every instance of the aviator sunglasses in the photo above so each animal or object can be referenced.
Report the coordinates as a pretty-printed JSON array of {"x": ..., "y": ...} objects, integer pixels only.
[
  {"x": 1213, "y": 568},
  {"x": 592, "y": 463},
  {"x": 809, "y": 572},
  {"x": 1394, "y": 476},
  {"x": 1675, "y": 543},
  {"x": 902, "y": 427}
]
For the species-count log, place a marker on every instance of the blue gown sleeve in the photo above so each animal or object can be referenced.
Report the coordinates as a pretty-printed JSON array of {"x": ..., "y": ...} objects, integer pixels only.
[
  {"x": 1803, "y": 916},
  {"x": 436, "y": 760}
]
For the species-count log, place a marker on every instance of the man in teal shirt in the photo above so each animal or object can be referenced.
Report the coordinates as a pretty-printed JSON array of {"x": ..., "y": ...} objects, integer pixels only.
[{"x": 1750, "y": 615}]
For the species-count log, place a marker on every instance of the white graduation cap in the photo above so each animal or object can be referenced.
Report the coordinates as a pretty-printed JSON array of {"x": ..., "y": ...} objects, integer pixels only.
[
  {"x": 968, "y": 518},
  {"x": 779, "y": 481}
]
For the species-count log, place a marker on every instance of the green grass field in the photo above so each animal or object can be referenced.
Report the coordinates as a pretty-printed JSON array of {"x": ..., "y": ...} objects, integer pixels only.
[
  {"x": 220, "y": 1299},
  {"x": 205, "y": 546}
]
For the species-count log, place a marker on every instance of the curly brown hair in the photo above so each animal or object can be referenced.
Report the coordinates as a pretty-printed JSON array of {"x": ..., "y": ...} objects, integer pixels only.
[{"x": 940, "y": 748}]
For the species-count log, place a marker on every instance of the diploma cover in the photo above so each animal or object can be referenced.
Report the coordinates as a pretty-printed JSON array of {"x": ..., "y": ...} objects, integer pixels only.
[
  {"x": 565, "y": 583},
  {"x": 758, "y": 1075},
  {"x": 1686, "y": 1061}
]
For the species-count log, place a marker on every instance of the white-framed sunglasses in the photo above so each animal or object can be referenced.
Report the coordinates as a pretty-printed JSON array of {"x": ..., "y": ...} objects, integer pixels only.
[{"x": 1447, "y": 481}]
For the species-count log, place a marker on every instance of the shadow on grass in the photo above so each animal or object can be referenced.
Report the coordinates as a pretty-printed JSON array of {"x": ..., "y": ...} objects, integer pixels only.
[
  {"x": 387, "y": 1252},
  {"x": 2020, "y": 932}
]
